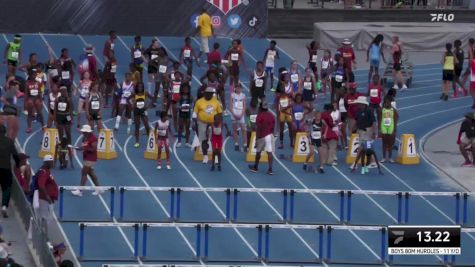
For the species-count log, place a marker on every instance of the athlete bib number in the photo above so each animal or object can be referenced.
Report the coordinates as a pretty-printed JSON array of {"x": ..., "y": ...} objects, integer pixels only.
[
  {"x": 238, "y": 105},
  {"x": 126, "y": 94},
  {"x": 325, "y": 64},
  {"x": 51, "y": 105},
  {"x": 65, "y": 75},
  {"x": 95, "y": 105},
  {"x": 234, "y": 57},
  {"x": 373, "y": 92},
  {"x": 252, "y": 118},
  {"x": 294, "y": 78},
  {"x": 15, "y": 55},
  {"x": 62, "y": 106},
  {"x": 185, "y": 108},
  {"x": 187, "y": 53},
  {"x": 38, "y": 79},
  {"x": 387, "y": 122},
  {"x": 176, "y": 89},
  {"x": 152, "y": 57},
  {"x": 317, "y": 135},
  {"x": 137, "y": 54},
  {"x": 34, "y": 92},
  {"x": 314, "y": 58},
  {"x": 113, "y": 68},
  {"x": 53, "y": 72},
  {"x": 307, "y": 85},
  {"x": 162, "y": 69},
  {"x": 259, "y": 83},
  {"x": 84, "y": 92},
  {"x": 298, "y": 116},
  {"x": 162, "y": 132},
  {"x": 339, "y": 78},
  {"x": 284, "y": 103},
  {"x": 140, "y": 104}
]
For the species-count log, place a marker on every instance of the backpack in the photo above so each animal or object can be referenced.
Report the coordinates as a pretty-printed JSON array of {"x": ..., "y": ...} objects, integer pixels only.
[{"x": 34, "y": 185}]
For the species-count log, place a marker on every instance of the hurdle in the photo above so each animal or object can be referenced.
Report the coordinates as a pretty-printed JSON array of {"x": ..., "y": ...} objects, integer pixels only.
[
  {"x": 231, "y": 199},
  {"x": 111, "y": 189},
  {"x": 83, "y": 226}
]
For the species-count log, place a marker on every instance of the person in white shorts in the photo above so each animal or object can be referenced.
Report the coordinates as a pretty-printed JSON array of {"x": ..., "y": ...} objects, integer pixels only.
[
  {"x": 265, "y": 123},
  {"x": 205, "y": 30},
  {"x": 238, "y": 111}
]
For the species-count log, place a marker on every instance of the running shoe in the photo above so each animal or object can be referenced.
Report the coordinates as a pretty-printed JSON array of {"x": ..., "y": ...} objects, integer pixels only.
[
  {"x": 252, "y": 168},
  {"x": 272, "y": 89},
  {"x": 77, "y": 193},
  {"x": 137, "y": 145},
  {"x": 320, "y": 170},
  {"x": 219, "y": 167},
  {"x": 382, "y": 161},
  {"x": 391, "y": 161},
  {"x": 25, "y": 112},
  {"x": 269, "y": 172},
  {"x": 169, "y": 167},
  {"x": 212, "y": 168},
  {"x": 467, "y": 164},
  {"x": 128, "y": 131},
  {"x": 159, "y": 167},
  {"x": 396, "y": 87},
  {"x": 442, "y": 96},
  {"x": 205, "y": 159},
  {"x": 304, "y": 166},
  {"x": 446, "y": 97},
  {"x": 4, "y": 212},
  {"x": 363, "y": 170},
  {"x": 404, "y": 87},
  {"x": 98, "y": 192},
  {"x": 188, "y": 145},
  {"x": 178, "y": 144},
  {"x": 334, "y": 163},
  {"x": 372, "y": 165},
  {"x": 236, "y": 147}
]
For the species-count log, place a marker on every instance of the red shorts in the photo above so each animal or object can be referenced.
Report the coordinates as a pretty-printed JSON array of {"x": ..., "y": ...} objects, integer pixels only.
[
  {"x": 162, "y": 142},
  {"x": 217, "y": 142}
]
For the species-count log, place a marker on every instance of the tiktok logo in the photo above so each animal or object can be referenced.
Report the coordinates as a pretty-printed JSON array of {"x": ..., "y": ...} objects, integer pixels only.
[{"x": 253, "y": 21}]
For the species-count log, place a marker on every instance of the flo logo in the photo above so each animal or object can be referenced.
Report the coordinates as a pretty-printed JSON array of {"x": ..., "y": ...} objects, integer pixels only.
[{"x": 442, "y": 17}]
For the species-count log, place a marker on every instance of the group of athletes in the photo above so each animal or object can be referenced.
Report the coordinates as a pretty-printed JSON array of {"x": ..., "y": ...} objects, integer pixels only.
[{"x": 168, "y": 87}]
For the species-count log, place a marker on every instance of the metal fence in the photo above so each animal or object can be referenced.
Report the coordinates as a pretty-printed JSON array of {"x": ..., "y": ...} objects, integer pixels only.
[{"x": 37, "y": 227}]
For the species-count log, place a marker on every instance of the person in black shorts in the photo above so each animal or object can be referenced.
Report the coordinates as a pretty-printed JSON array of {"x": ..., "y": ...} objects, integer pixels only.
[
  {"x": 139, "y": 99},
  {"x": 315, "y": 135},
  {"x": 448, "y": 62},
  {"x": 64, "y": 113},
  {"x": 459, "y": 55}
]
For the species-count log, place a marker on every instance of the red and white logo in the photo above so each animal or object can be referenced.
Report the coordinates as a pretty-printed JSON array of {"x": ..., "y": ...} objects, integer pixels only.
[{"x": 227, "y": 5}]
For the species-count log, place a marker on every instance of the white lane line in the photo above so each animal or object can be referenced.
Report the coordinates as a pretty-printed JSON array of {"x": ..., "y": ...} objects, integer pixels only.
[{"x": 432, "y": 102}]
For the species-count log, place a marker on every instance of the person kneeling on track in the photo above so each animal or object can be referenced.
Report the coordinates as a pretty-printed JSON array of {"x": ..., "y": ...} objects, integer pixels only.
[
  {"x": 317, "y": 128},
  {"x": 365, "y": 153},
  {"x": 265, "y": 123},
  {"x": 203, "y": 114},
  {"x": 62, "y": 151},
  {"x": 466, "y": 139}
]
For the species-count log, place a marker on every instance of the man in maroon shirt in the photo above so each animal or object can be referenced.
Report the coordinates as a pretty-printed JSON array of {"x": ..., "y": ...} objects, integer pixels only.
[
  {"x": 89, "y": 148},
  {"x": 348, "y": 54},
  {"x": 352, "y": 107},
  {"x": 265, "y": 123},
  {"x": 47, "y": 189},
  {"x": 109, "y": 45},
  {"x": 330, "y": 138}
]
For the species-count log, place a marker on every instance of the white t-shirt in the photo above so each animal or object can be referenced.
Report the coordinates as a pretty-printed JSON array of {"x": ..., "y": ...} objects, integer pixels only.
[{"x": 238, "y": 103}]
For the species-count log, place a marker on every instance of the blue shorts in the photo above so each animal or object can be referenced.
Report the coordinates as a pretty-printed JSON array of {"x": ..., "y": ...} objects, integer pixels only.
[
  {"x": 269, "y": 70},
  {"x": 374, "y": 63}
]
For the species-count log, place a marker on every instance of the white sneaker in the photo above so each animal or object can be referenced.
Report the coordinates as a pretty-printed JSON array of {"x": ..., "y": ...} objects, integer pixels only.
[
  {"x": 128, "y": 131},
  {"x": 178, "y": 144},
  {"x": 159, "y": 167},
  {"x": 205, "y": 159},
  {"x": 372, "y": 165},
  {"x": 188, "y": 145},
  {"x": 98, "y": 192},
  {"x": 77, "y": 193},
  {"x": 404, "y": 87},
  {"x": 396, "y": 87},
  {"x": 169, "y": 167},
  {"x": 25, "y": 112}
]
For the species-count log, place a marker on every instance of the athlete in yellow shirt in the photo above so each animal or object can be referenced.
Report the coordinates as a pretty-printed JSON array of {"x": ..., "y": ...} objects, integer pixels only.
[{"x": 205, "y": 29}]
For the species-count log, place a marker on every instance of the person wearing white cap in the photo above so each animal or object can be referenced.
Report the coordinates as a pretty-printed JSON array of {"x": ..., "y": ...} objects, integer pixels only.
[
  {"x": 48, "y": 191},
  {"x": 89, "y": 148},
  {"x": 364, "y": 119},
  {"x": 348, "y": 54},
  {"x": 203, "y": 115}
]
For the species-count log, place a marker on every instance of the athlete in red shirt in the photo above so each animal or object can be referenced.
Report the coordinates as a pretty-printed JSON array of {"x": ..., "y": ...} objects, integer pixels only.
[{"x": 89, "y": 148}]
